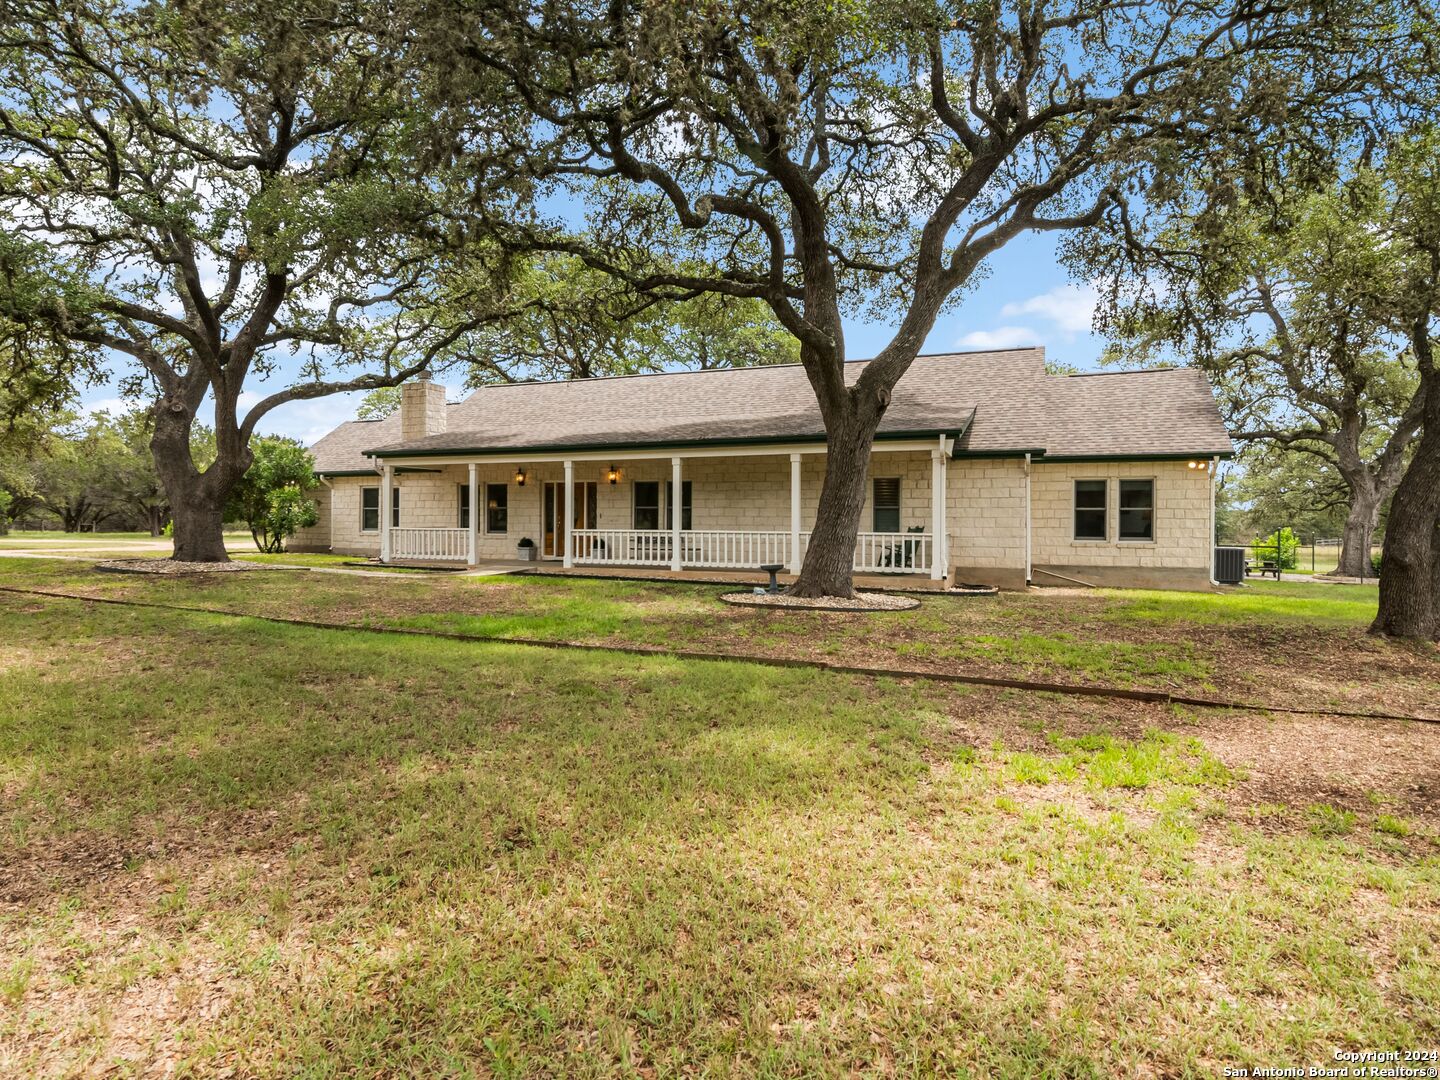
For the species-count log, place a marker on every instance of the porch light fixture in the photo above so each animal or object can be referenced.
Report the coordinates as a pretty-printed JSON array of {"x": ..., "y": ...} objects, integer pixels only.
[
  {"x": 613, "y": 475},
  {"x": 519, "y": 477},
  {"x": 1201, "y": 465}
]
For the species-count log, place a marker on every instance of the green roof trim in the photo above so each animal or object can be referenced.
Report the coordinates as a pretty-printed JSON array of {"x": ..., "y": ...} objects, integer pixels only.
[
  {"x": 1198, "y": 455},
  {"x": 588, "y": 448}
]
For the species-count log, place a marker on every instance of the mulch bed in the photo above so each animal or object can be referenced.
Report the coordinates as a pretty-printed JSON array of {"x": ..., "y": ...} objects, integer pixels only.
[{"x": 860, "y": 602}]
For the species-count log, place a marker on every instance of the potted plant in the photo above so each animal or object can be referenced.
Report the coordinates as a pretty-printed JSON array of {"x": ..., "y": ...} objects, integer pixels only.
[{"x": 525, "y": 549}]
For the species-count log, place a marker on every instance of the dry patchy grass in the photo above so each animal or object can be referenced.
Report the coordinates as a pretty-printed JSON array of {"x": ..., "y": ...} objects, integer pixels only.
[{"x": 272, "y": 850}]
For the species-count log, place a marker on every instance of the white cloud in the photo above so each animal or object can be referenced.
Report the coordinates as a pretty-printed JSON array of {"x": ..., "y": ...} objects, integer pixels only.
[
  {"x": 1002, "y": 337},
  {"x": 1070, "y": 307},
  {"x": 112, "y": 405}
]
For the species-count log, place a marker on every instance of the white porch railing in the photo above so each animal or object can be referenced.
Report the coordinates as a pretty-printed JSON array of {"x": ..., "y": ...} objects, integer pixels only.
[
  {"x": 711, "y": 548},
  {"x": 439, "y": 544},
  {"x": 888, "y": 552},
  {"x": 621, "y": 547},
  {"x": 734, "y": 550},
  {"x": 875, "y": 553}
]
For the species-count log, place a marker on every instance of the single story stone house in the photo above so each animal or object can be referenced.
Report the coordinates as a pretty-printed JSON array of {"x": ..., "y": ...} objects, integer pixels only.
[{"x": 985, "y": 469}]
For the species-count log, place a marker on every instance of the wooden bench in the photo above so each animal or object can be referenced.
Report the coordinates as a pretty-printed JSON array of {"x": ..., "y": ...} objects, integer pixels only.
[{"x": 1266, "y": 567}]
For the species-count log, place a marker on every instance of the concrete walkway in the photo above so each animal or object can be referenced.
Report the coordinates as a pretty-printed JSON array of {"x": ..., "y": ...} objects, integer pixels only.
[{"x": 1327, "y": 579}]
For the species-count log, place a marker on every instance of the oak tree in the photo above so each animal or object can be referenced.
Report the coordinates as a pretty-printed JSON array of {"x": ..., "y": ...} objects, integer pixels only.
[
  {"x": 1276, "y": 295},
  {"x": 221, "y": 198},
  {"x": 867, "y": 158}
]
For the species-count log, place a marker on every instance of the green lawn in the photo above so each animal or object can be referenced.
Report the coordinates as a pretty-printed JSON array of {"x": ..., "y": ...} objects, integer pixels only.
[
  {"x": 1255, "y": 602},
  {"x": 1289, "y": 644},
  {"x": 235, "y": 845}
]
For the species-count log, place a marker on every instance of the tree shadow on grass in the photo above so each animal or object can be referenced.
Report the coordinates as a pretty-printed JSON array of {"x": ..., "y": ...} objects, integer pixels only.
[{"x": 139, "y": 722}]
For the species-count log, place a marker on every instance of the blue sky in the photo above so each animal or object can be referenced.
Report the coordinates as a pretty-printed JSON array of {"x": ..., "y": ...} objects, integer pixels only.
[{"x": 1024, "y": 299}]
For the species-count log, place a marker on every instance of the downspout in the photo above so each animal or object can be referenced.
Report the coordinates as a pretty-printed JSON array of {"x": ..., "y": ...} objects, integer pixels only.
[
  {"x": 1213, "y": 540},
  {"x": 1028, "y": 573}
]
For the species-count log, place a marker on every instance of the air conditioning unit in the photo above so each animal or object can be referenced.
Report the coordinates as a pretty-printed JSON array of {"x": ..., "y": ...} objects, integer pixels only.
[{"x": 1229, "y": 565}]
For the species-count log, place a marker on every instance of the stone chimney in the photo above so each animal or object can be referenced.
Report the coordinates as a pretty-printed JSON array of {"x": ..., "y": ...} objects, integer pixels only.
[{"x": 422, "y": 408}]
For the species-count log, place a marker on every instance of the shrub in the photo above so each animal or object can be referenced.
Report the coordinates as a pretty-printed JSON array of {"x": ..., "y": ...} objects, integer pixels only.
[
  {"x": 272, "y": 498},
  {"x": 1282, "y": 545}
]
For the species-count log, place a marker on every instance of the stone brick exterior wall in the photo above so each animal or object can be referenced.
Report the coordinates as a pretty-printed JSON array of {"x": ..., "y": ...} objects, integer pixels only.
[
  {"x": 985, "y": 510},
  {"x": 317, "y": 537},
  {"x": 1180, "y": 552}
]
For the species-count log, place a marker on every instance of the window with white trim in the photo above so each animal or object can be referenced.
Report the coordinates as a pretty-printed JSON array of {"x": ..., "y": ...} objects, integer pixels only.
[
  {"x": 394, "y": 507},
  {"x": 497, "y": 508},
  {"x": 462, "y": 518},
  {"x": 647, "y": 504},
  {"x": 885, "y": 504},
  {"x": 369, "y": 509},
  {"x": 1091, "y": 510},
  {"x": 1137, "y": 509}
]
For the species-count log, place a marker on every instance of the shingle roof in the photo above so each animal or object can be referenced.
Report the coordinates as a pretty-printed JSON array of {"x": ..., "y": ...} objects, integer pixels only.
[{"x": 1015, "y": 406}]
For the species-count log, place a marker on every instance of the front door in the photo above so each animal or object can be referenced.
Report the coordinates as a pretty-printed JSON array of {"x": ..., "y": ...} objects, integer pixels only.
[{"x": 587, "y": 495}]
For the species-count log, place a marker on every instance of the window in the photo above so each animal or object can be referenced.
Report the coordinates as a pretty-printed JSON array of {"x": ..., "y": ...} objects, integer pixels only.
[
  {"x": 497, "y": 508},
  {"x": 647, "y": 504},
  {"x": 684, "y": 504},
  {"x": 886, "y": 512},
  {"x": 1137, "y": 509},
  {"x": 370, "y": 509},
  {"x": 1090, "y": 509},
  {"x": 463, "y": 521},
  {"x": 394, "y": 507}
]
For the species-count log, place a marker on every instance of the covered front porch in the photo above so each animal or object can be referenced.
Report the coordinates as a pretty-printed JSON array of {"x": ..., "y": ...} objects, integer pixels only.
[{"x": 653, "y": 511}]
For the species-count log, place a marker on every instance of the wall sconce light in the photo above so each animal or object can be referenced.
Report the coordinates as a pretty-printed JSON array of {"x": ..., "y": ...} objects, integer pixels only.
[
  {"x": 519, "y": 477},
  {"x": 613, "y": 475},
  {"x": 1203, "y": 466}
]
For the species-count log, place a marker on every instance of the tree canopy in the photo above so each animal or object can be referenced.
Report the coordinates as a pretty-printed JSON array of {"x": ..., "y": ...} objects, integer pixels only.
[
  {"x": 834, "y": 159},
  {"x": 1280, "y": 295},
  {"x": 219, "y": 195}
]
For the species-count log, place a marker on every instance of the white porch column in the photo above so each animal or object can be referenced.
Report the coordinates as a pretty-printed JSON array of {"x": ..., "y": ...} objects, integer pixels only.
[
  {"x": 569, "y": 526},
  {"x": 387, "y": 487},
  {"x": 937, "y": 514},
  {"x": 474, "y": 521},
  {"x": 795, "y": 559},
  {"x": 677, "y": 503}
]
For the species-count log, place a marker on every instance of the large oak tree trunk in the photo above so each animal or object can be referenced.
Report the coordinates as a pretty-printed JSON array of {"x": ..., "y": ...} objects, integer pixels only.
[
  {"x": 197, "y": 500},
  {"x": 199, "y": 529},
  {"x": 1359, "y": 534},
  {"x": 829, "y": 564},
  {"x": 1409, "y": 575}
]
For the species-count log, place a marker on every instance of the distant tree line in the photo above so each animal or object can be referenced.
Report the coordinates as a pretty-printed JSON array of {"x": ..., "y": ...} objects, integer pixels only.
[{"x": 78, "y": 473}]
